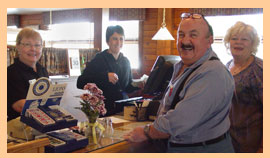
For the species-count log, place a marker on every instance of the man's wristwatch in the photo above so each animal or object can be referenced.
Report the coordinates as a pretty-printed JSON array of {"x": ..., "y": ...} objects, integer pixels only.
[{"x": 146, "y": 131}]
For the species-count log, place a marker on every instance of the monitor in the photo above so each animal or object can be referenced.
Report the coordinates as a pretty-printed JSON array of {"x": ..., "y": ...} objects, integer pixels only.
[
  {"x": 157, "y": 82},
  {"x": 160, "y": 75}
]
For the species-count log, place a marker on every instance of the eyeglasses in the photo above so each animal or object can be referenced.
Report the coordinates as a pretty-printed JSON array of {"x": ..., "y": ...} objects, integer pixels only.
[
  {"x": 191, "y": 15},
  {"x": 28, "y": 45}
]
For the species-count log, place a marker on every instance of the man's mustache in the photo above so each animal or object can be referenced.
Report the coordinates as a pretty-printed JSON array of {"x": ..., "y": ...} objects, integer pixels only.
[{"x": 187, "y": 46}]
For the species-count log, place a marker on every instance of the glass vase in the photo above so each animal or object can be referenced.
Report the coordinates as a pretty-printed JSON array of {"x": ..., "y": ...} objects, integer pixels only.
[{"x": 94, "y": 129}]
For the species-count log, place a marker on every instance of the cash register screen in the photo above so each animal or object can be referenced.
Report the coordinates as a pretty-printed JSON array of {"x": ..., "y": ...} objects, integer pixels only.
[{"x": 161, "y": 74}]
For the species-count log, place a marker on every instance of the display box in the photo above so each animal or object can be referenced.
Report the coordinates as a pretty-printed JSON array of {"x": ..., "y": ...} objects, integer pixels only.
[
  {"x": 65, "y": 141},
  {"x": 42, "y": 111}
]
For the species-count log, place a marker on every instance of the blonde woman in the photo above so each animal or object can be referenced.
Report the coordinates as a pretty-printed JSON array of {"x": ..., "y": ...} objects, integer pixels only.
[
  {"x": 25, "y": 68},
  {"x": 246, "y": 114}
]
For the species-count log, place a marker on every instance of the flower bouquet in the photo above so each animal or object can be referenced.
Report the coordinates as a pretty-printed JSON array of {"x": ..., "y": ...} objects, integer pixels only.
[{"x": 93, "y": 105}]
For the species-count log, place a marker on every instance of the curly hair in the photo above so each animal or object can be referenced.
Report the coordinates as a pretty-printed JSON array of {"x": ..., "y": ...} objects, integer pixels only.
[{"x": 240, "y": 27}]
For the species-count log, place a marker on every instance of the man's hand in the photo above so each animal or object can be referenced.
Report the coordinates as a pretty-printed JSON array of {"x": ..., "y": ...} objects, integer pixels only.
[
  {"x": 113, "y": 77},
  {"x": 137, "y": 135}
]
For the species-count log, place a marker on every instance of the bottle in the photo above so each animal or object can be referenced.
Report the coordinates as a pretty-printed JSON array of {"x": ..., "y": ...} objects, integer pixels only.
[{"x": 108, "y": 128}]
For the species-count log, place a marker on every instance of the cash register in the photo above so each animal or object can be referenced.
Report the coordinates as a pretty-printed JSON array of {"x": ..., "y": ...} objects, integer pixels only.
[{"x": 156, "y": 84}]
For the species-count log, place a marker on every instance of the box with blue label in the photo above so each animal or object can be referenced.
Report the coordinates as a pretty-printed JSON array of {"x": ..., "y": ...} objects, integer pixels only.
[
  {"x": 65, "y": 141},
  {"x": 42, "y": 111}
]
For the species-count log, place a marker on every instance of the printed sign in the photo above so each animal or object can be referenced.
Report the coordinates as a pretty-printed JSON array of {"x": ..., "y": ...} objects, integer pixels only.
[{"x": 42, "y": 92}]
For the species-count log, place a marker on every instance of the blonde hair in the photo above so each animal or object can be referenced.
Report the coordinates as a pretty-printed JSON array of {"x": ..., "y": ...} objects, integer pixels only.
[
  {"x": 28, "y": 33},
  {"x": 241, "y": 27}
]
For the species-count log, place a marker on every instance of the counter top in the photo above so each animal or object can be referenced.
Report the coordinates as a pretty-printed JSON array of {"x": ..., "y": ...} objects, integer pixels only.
[
  {"x": 113, "y": 144},
  {"x": 116, "y": 143}
]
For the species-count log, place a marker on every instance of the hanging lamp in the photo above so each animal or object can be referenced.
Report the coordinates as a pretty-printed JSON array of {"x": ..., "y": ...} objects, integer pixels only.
[
  {"x": 163, "y": 33},
  {"x": 50, "y": 22}
]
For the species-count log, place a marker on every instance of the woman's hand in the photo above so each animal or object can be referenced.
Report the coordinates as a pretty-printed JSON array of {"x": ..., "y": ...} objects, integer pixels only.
[{"x": 18, "y": 105}]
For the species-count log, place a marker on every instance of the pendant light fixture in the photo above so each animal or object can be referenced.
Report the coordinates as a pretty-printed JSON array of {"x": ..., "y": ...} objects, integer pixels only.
[
  {"x": 163, "y": 33},
  {"x": 50, "y": 16}
]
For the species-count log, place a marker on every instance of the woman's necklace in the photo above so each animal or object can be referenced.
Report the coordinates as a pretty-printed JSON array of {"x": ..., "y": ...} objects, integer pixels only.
[{"x": 237, "y": 69}]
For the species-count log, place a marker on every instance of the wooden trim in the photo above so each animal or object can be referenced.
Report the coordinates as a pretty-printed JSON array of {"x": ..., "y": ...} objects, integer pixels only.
[
  {"x": 141, "y": 41},
  {"x": 128, "y": 147},
  {"x": 97, "y": 27},
  {"x": 116, "y": 148},
  {"x": 29, "y": 147}
]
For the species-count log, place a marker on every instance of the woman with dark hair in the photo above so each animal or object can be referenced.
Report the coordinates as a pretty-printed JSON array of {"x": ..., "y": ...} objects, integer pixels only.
[
  {"x": 110, "y": 70},
  {"x": 25, "y": 68}
]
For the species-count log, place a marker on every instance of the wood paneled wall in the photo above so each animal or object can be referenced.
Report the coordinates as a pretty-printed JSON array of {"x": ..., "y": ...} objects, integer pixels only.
[
  {"x": 152, "y": 49},
  {"x": 31, "y": 19},
  {"x": 150, "y": 27}
]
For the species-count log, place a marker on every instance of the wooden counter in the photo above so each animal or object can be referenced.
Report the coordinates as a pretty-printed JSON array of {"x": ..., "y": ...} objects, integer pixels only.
[
  {"x": 35, "y": 146},
  {"x": 114, "y": 144}
]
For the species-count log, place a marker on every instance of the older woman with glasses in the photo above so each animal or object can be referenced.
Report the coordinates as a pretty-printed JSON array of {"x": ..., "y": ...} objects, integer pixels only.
[
  {"x": 246, "y": 114},
  {"x": 25, "y": 68}
]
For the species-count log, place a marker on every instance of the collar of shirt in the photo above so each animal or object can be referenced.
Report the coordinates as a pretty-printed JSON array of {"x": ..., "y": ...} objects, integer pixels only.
[
  {"x": 26, "y": 67},
  {"x": 208, "y": 54},
  {"x": 111, "y": 56}
]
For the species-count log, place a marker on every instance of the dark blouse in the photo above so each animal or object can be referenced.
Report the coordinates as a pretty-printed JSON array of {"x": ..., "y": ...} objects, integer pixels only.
[
  {"x": 18, "y": 76},
  {"x": 247, "y": 108},
  {"x": 97, "y": 71}
]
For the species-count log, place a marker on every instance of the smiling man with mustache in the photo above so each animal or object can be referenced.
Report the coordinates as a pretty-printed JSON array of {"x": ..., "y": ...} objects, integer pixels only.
[{"x": 194, "y": 113}]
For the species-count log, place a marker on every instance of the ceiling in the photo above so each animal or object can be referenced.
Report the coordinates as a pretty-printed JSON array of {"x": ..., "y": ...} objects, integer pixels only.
[{"x": 32, "y": 10}]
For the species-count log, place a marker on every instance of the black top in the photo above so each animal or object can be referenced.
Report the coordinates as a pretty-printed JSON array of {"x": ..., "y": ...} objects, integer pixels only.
[
  {"x": 97, "y": 71},
  {"x": 18, "y": 76}
]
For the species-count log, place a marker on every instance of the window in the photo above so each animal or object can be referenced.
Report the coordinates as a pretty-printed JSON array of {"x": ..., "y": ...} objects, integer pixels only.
[
  {"x": 131, "y": 45},
  {"x": 220, "y": 26},
  {"x": 70, "y": 35},
  {"x": 12, "y": 35}
]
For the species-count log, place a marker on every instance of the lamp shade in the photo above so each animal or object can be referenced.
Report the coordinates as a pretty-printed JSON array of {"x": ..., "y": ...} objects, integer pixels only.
[{"x": 163, "y": 34}]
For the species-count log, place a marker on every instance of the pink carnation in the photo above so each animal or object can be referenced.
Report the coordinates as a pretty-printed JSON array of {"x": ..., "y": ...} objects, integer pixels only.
[
  {"x": 85, "y": 96},
  {"x": 101, "y": 97},
  {"x": 93, "y": 99},
  {"x": 89, "y": 86},
  {"x": 101, "y": 108},
  {"x": 92, "y": 87}
]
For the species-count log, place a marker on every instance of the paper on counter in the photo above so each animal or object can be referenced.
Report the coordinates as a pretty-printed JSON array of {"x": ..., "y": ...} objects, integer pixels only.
[
  {"x": 116, "y": 120},
  {"x": 136, "y": 82}
]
